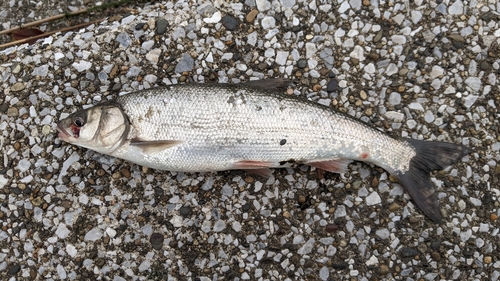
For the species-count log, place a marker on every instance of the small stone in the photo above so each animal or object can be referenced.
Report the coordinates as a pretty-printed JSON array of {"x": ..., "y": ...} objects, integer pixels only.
[
  {"x": 429, "y": 116},
  {"x": 487, "y": 259},
  {"x": 263, "y": 5},
  {"x": 363, "y": 95},
  {"x": 332, "y": 86},
  {"x": 317, "y": 87},
  {"x": 19, "y": 86},
  {"x": 93, "y": 235},
  {"x": 251, "y": 15},
  {"x": 215, "y": 18},
  {"x": 493, "y": 217},
  {"x": 14, "y": 269},
  {"x": 324, "y": 273},
  {"x": 474, "y": 83},
  {"x": 408, "y": 252},
  {"x": 161, "y": 26},
  {"x": 156, "y": 240},
  {"x": 124, "y": 39},
  {"x": 82, "y": 65},
  {"x": 281, "y": 57},
  {"x": 395, "y": 98},
  {"x": 186, "y": 64},
  {"x": 331, "y": 228},
  {"x": 394, "y": 207},
  {"x": 185, "y": 211},
  {"x": 302, "y": 199},
  {"x": 374, "y": 182},
  {"x": 457, "y": 8},
  {"x": 12, "y": 112},
  {"x": 268, "y": 22},
  {"x": 373, "y": 199},
  {"x": 383, "y": 269},
  {"x": 125, "y": 172},
  {"x": 484, "y": 65},
  {"x": 219, "y": 226},
  {"x": 369, "y": 111},
  {"x": 366, "y": 3},
  {"x": 229, "y": 22},
  {"x": 302, "y": 63},
  {"x": 436, "y": 256}
]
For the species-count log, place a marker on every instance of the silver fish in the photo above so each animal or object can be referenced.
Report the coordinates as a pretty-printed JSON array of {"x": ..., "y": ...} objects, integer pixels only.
[{"x": 251, "y": 126}]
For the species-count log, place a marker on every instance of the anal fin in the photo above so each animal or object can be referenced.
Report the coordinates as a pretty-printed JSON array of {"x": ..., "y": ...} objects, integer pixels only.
[
  {"x": 334, "y": 165},
  {"x": 154, "y": 146}
]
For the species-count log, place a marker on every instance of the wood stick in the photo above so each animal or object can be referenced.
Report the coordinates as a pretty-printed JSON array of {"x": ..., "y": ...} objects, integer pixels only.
[
  {"x": 48, "y": 34},
  {"x": 38, "y": 22}
]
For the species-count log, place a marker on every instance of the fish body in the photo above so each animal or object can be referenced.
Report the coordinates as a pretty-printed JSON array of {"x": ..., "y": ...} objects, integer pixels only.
[{"x": 215, "y": 127}]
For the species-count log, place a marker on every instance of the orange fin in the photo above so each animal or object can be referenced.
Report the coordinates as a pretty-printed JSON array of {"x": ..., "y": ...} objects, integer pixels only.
[
  {"x": 334, "y": 166},
  {"x": 255, "y": 167},
  {"x": 154, "y": 146}
]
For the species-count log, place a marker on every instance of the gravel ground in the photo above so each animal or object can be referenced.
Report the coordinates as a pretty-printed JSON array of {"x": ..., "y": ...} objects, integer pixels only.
[{"x": 428, "y": 71}]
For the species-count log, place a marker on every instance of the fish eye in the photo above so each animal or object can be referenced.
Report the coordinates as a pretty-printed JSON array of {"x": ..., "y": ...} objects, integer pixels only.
[{"x": 78, "y": 121}]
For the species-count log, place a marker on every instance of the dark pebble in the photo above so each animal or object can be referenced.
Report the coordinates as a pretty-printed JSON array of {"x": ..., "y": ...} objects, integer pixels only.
[
  {"x": 489, "y": 16},
  {"x": 14, "y": 269},
  {"x": 185, "y": 211},
  {"x": 156, "y": 240},
  {"x": 468, "y": 251},
  {"x": 161, "y": 26},
  {"x": 408, "y": 253},
  {"x": 246, "y": 207},
  {"x": 302, "y": 63},
  {"x": 340, "y": 266},
  {"x": 331, "y": 228},
  {"x": 436, "y": 256},
  {"x": 139, "y": 26},
  {"x": 332, "y": 86},
  {"x": 4, "y": 107},
  {"x": 435, "y": 244},
  {"x": 229, "y": 22},
  {"x": 16, "y": 190},
  {"x": 484, "y": 65},
  {"x": 487, "y": 199},
  {"x": 159, "y": 191}
]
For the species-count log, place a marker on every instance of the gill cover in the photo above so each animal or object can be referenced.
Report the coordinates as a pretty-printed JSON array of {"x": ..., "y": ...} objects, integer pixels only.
[{"x": 102, "y": 128}]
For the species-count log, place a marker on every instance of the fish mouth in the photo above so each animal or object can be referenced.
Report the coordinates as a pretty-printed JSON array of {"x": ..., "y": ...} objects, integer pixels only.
[{"x": 63, "y": 134}]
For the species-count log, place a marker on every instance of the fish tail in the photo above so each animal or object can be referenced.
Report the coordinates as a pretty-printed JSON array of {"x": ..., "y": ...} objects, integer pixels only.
[{"x": 430, "y": 156}]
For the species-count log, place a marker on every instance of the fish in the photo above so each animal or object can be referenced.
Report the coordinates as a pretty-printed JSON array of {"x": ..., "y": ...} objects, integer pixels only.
[{"x": 253, "y": 126}]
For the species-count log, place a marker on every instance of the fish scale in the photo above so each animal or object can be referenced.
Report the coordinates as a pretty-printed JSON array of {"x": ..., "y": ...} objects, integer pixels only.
[
  {"x": 237, "y": 120},
  {"x": 250, "y": 126}
]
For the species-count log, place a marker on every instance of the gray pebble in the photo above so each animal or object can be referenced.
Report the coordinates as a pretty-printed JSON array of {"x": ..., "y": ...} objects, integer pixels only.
[
  {"x": 123, "y": 39},
  {"x": 395, "y": 98},
  {"x": 408, "y": 252},
  {"x": 161, "y": 26},
  {"x": 229, "y": 22},
  {"x": 332, "y": 86},
  {"x": 185, "y": 64}
]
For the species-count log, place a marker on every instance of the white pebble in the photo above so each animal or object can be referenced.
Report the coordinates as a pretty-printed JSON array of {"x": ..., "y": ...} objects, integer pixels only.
[
  {"x": 93, "y": 235},
  {"x": 373, "y": 199},
  {"x": 429, "y": 116},
  {"x": 268, "y": 22}
]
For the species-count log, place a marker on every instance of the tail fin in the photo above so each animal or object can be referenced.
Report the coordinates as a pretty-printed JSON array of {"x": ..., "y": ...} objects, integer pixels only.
[{"x": 431, "y": 155}]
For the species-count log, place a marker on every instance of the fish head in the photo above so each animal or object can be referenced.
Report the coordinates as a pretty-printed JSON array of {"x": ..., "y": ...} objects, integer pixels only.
[{"x": 102, "y": 128}]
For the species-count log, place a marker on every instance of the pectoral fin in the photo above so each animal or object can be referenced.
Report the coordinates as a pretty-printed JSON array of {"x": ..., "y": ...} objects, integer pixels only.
[
  {"x": 154, "y": 146},
  {"x": 260, "y": 168},
  {"x": 275, "y": 84}
]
